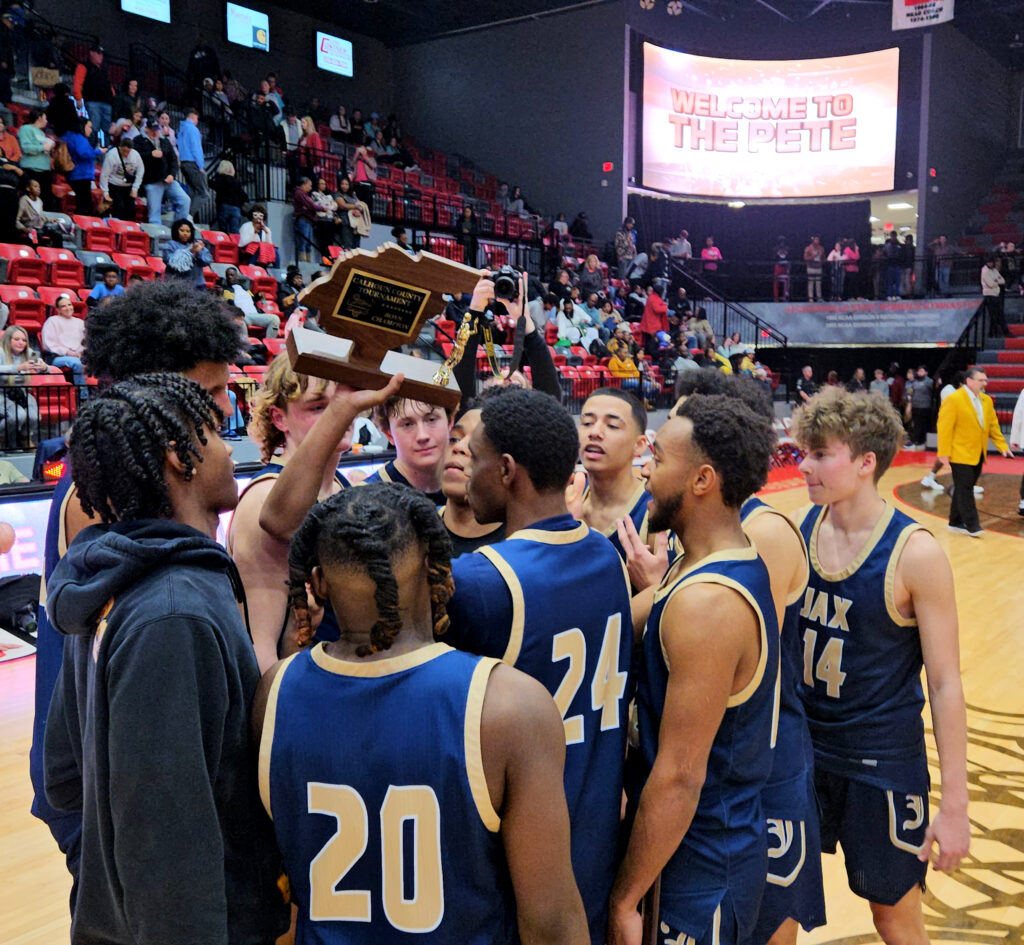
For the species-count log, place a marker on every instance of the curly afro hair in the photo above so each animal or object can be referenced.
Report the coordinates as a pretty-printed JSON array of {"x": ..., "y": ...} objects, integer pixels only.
[
  {"x": 710, "y": 381},
  {"x": 158, "y": 326},
  {"x": 734, "y": 439},
  {"x": 536, "y": 431}
]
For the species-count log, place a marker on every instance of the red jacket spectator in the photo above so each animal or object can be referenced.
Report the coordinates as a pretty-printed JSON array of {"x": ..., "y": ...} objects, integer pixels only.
[{"x": 655, "y": 316}]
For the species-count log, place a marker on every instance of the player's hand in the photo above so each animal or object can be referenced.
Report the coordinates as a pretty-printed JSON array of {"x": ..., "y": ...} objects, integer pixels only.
[
  {"x": 360, "y": 400},
  {"x": 952, "y": 833},
  {"x": 625, "y": 927},
  {"x": 574, "y": 495},
  {"x": 644, "y": 567}
]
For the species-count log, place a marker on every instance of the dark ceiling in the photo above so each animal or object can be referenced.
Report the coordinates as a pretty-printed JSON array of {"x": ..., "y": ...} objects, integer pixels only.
[{"x": 995, "y": 25}]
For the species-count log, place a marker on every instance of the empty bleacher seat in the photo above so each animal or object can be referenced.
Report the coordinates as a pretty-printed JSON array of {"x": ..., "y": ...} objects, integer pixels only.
[
  {"x": 65, "y": 269},
  {"x": 224, "y": 249},
  {"x": 57, "y": 401},
  {"x": 158, "y": 235},
  {"x": 95, "y": 262},
  {"x": 131, "y": 238},
  {"x": 259, "y": 279},
  {"x": 21, "y": 264},
  {"x": 26, "y": 308},
  {"x": 96, "y": 235},
  {"x": 157, "y": 265},
  {"x": 132, "y": 264}
]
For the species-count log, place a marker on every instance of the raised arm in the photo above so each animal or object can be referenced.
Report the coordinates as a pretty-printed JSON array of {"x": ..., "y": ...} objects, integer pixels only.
[{"x": 298, "y": 485}]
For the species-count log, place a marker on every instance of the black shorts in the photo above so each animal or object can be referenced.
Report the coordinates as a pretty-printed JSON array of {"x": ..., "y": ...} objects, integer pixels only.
[{"x": 881, "y": 833}]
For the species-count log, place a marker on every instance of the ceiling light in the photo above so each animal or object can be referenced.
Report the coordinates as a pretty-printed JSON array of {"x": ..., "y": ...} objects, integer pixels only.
[
  {"x": 900, "y": 206},
  {"x": 874, "y": 220},
  {"x": 736, "y": 204}
]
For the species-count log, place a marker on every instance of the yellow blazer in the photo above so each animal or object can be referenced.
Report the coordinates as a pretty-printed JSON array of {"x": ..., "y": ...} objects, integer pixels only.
[{"x": 961, "y": 437}]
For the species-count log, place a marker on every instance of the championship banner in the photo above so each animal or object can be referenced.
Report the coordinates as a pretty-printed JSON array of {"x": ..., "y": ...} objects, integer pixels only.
[
  {"x": 937, "y": 322},
  {"x": 910, "y": 14}
]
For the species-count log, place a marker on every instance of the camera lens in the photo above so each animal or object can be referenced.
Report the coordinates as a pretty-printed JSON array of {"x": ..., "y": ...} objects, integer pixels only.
[{"x": 504, "y": 287}]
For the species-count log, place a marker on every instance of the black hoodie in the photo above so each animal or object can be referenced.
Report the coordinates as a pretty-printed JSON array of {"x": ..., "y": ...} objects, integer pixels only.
[{"x": 148, "y": 737}]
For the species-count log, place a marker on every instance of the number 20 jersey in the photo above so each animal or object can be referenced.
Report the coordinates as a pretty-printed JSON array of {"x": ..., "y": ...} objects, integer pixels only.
[
  {"x": 862, "y": 662},
  {"x": 373, "y": 775}
]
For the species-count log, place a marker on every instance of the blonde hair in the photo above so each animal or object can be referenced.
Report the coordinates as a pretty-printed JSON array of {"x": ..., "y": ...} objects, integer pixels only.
[
  {"x": 861, "y": 422},
  {"x": 281, "y": 386},
  {"x": 226, "y": 168},
  {"x": 6, "y": 355},
  {"x": 597, "y": 262},
  {"x": 308, "y": 125}
]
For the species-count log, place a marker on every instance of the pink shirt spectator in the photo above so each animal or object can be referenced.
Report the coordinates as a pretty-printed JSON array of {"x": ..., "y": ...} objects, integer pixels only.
[
  {"x": 63, "y": 336},
  {"x": 710, "y": 253}
]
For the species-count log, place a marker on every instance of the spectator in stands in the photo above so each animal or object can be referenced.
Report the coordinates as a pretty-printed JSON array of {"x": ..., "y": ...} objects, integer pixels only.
[
  {"x": 907, "y": 267},
  {"x": 814, "y": 259},
  {"x": 63, "y": 336},
  {"x": 621, "y": 365},
  {"x": 591, "y": 278},
  {"x": 637, "y": 271},
  {"x": 712, "y": 256},
  {"x": 35, "y": 154},
  {"x": 992, "y": 283},
  {"x": 80, "y": 178},
  {"x": 239, "y": 296},
  {"x": 263, "y": 117},
  {"x": 832, "y": 379},
  {"x": 468, "y": 231},
  {"x": 680, "y": 249},
  {"x": 879, "y": 385},
  {"x": 61, "y": 113},
  {"x": 655, "y": 319},
  {"x": 562, "y": 285},
  {"x": 92, "y": 86},
  {"x": 575, "y": 326},
  {"x": 32, "y": 226},
  {"x": 288, "y": 293},
  {"x": 892, "y": 253},
  {"x": 109, "y": 288},
  {"x": 202, "y": 61},
  {"x": 20, "y": 409},
  {"x": 274, "y": 92},
  {"x": 9, "y": 143},
  {"x": 304, "y": 216},
  {"x": 230, "y": 198},
  {"x": 942, "y": 253},
  {"x": 400, "y": 235},
  {"x": 514, "y": 202},
  {"x": 657, "y": 267},
  {"x": 221, "y": 98},
  {"x": 121, "y": 177},
  {"x": 130, "y": 128},
  {"x": 161, "y": 164},
  {"x": 127, "y": 102},
  {"x": 560, "y": 227},
  {"x": 353, "y": 215},
  {"x": 290, "y": 132},
  {"x": 851, "y": 263},
  {"x": 365, "y": 173},
  {"x": 858, "y": 384},
  {"x": 625, "y": 245},
  {"x": 185, "y": 255},
  {"x": 358, "y": 136},
  {"x": 256, "y": 241},
  {"x": 193, "y": 162},
  {"x": 327, "y": 219},
  {"x": 233, "y": 88},
  {"x": 806, "y": 387},
  {"x": 10, "y": 181},
  {"x": 340, "y": 126},
  {"x": 919, "y": 394},
  {"x": 311, "y": 148},
  {"x": 580, "y": 227},
  {"x": 836, "y": 272}
]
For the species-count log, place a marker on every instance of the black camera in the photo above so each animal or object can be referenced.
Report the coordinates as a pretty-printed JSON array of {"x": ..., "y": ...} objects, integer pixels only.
[{"x": 506, "y": 283}]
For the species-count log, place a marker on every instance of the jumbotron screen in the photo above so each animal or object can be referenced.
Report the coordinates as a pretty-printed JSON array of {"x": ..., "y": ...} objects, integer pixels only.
[{"x": 777, "y": 128}]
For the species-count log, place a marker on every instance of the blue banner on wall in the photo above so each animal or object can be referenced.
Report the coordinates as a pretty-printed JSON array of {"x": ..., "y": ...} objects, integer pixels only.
[{"x": 924, "y": 322}]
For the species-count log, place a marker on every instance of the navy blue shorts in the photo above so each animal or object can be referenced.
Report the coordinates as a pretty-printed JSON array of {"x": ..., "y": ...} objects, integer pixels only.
[
  {"x": 881, "y": 833},
  {"x": 722, "y": 931},
  {"x": 794, "y": 889}
]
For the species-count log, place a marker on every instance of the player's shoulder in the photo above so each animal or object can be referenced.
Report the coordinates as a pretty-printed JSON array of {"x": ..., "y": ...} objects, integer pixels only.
[
  {"x": 919, "y": 553},
  {"x": 515, "y": 702}
]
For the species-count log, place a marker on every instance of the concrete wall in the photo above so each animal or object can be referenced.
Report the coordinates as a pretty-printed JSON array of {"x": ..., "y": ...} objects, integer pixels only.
[{"x": 533, "y": 102}]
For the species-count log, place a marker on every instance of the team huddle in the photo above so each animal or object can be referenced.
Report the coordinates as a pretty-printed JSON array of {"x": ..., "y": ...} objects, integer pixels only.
[{"x": 484, "y": 697}]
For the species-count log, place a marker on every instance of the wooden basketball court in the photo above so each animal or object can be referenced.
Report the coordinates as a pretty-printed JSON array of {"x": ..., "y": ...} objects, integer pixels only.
[{"x": 982, "y": 903}]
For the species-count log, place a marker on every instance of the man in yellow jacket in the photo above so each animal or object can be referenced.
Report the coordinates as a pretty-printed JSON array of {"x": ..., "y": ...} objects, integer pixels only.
[{"x": 967, "y": 421}]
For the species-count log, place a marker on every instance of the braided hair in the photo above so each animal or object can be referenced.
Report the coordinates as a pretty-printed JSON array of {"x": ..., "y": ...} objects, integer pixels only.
[
  {"x": 120, "y": 440},
  {"x": 368, "y": 528}
]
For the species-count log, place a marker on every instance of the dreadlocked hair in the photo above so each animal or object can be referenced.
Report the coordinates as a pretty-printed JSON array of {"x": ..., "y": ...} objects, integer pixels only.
[
  {"x": 120, "y": 440},
  {"x": 368, "y": 528}
]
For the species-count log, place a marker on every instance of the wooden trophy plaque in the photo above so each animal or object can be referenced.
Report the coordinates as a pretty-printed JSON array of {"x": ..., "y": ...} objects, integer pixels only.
[{"x": 372, "y": 302}]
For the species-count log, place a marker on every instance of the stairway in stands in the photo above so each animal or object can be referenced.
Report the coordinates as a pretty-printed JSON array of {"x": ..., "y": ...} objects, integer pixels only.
[
  {"x": 1003, "y": 361},
  {"x": 1000, "y": 216}
]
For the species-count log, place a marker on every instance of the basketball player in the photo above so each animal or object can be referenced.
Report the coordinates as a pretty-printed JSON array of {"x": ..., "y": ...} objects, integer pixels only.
[
  {"x": 464, "y": 531},
  {"x": 553, "y": 601},
  {"x": 434, "y": 809},
  {"x": 154, "y": 326},
  {"x": 148, "y": 734},
  {"x": 419, "y": 434},
  {"x": 284, "y": 410},
  {"x": 706, "y": 698},
  {"x": 879, "y": 604}
]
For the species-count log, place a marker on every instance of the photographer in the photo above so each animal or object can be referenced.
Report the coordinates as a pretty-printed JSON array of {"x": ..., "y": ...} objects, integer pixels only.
[
  {"x": 185, "y": 255},
  {"x": 504, "y": 294}
]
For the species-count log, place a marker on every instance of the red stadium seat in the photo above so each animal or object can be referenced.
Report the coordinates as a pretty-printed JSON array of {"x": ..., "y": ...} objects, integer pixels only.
[
  {"x": 65, "y": 269},
  {"x": 130, "y": 236},
  {"x": 259, "y": 279},
  {"x": 224, "y": 249},
  {"x": 157, "y": 265},
  {"x": 20, "y": 264},
  {"x": 26, "y": 309},
  {"x": 274, "y": 345},
  {"x": 96, "y": 235},
  {"x": 211, "y": 277},
  {"x": 133, "y": 265},
  {"x": 49, "y": 294},
  {"x": 56, "y": 397}
]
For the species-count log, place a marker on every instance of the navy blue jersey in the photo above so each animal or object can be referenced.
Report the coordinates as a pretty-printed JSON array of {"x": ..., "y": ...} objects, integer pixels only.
[
  {"x": 724, "y": 852},
  {"x": 65, "y": 827},
  {"x": 553, "y": 601},
  {"x": 389, "y": 473},
  {"x": 636, "y": 510},
  {"x": 383, "y": 817},
  {"x": 861, "y": 679},
  {"x": 786, "y": 795}
]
